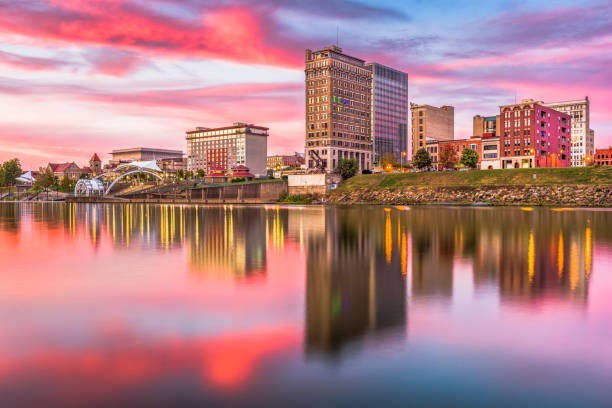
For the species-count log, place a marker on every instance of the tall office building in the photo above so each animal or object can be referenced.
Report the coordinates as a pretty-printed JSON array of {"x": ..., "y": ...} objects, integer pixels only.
[
  {"x": 431, "y": 122},
  {"x": 583, "y": 142},
  {"x": 389, "y": 111},
  {"x": 338, "y": 109}
]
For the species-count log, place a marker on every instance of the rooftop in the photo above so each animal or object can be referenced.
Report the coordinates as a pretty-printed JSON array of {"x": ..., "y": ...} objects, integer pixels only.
[
  {"x": 146, "y": 149},
  {"x": 235, "y": 125}
]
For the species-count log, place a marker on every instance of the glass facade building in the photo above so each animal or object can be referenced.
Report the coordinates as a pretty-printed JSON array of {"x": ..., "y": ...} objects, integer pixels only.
[{"x": 389, "y": 111}]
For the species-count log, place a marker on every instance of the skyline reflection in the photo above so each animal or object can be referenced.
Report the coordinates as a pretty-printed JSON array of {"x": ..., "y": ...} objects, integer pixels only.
[{"x": 536, "y": 252}]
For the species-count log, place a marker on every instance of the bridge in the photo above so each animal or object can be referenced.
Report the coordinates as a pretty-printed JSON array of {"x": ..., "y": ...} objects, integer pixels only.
[{"x": 102, "y": 184}]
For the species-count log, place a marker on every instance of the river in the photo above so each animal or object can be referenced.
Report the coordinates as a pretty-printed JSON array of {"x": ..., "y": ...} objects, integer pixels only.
[{"x": 162, "y": 305}]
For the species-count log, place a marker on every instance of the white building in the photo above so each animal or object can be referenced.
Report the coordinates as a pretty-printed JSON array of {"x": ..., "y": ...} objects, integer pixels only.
[
  {"x": 583, "y": 138},
  {"x": 221, "y": 149},
  {"x": 490, "y": 153}
]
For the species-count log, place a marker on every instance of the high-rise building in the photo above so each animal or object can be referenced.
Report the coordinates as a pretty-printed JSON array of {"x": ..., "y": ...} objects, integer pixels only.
[
  {"x": 583, "y": 142},
  {"x": 338, "y": 109},
  {"x": 227, "y": 147},
  {"x": 534, "y": 136},
  {"x": 389, "y": 111},
  {"x": 486, "y": 126},
  {"x": 431, "y": 122}
]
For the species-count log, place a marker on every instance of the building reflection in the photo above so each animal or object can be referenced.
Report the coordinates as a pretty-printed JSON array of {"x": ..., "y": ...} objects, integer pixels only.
[
  {"x": 362, "y": 263},
  {"x": 354, "y": 284},
  {"x": 228, "y": 240}
]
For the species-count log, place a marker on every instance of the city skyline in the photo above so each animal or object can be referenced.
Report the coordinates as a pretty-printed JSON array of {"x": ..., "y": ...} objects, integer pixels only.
[{"x": 102, "y": 75}]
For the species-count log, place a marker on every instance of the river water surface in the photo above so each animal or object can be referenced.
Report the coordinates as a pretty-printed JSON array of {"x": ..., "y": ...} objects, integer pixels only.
[{"x": 145, "y": 305}]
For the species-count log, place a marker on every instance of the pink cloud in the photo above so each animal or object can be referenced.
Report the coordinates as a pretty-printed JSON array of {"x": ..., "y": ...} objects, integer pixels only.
[{"x": 234, "y": 33}]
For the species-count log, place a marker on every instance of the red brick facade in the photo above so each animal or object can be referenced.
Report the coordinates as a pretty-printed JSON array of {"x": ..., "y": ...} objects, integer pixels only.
[
  {"x": 534, "y": 136},
  {"x": 603, "y": 157}
]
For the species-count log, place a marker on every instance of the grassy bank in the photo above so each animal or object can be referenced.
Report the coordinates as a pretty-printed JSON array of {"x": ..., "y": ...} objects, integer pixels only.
[{"x": 476, "y": 178}]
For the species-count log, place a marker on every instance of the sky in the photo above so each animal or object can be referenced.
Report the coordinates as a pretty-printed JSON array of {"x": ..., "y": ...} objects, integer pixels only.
[{"x": 85, "y": 76}]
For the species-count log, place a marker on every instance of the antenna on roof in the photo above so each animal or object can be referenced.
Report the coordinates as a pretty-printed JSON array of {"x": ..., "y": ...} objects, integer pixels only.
[{"x": 338, "y": 36}]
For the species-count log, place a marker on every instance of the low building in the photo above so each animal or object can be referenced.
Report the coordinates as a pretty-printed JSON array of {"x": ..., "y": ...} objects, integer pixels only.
[
  {"x": 122, "y": 156},
  {"x": 173, "y": 164},
  {"x": 228, "y": 147},
  {"x": 221, "y": 175},
  {"x": 314, "y": 184},
  {"x": 432, "y": 146},
  {"x": 279, "y": 161},
  {"x": 474, "y": 143},
  {"x": 603, "y": 157},
  {"x": 61, "y": 170},
  {"x": 490, "y": 153}
]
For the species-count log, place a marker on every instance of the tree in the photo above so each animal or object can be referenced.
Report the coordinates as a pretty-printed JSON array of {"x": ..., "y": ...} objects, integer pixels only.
[
  {"x": 200, "y": 174},
  {"x": 469, "y": 158},
  {"x": 46, "y": 180},
  {"x": 2, "y": 183},
  {"x": 180, "y": 174},
  {"x": 66, "y": 185},
  {"x": 10, "y": 171},
  {"x": 421, "y": 159},
  {"x": 448, "y": 156},
  {"x": 188, "y": 175},
  {"x": 347, "y": 168}
]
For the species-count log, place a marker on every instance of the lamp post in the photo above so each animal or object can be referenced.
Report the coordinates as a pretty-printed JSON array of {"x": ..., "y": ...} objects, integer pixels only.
[{"x": 404, "y": 154}]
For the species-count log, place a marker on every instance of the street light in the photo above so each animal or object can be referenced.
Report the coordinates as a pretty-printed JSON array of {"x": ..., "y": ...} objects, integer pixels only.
[{"x": 404, "y": 154}]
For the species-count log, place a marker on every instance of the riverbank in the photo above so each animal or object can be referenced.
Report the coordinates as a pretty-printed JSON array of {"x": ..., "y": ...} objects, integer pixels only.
[{"x": 579, "y": 187}]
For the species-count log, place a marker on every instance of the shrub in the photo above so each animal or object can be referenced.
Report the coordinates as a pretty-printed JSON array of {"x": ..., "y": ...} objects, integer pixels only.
[
  {"x": 347, "y": 168},
  {"x": 285, "y": 197}
]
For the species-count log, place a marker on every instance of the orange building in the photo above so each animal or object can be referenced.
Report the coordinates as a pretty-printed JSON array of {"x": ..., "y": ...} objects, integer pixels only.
[
  {"x": 474, "y": 143},
  {"x": 603, "y": 157}
]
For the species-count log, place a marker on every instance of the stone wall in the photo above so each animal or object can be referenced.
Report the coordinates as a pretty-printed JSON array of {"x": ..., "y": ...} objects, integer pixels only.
[{"x": 566, "y": 195}]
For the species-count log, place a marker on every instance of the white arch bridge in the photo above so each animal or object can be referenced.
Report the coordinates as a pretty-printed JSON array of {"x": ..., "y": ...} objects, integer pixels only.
[{"x": 104, "y": 183}]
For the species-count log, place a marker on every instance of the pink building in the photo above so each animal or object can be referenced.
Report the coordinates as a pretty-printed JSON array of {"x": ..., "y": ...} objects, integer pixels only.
[{"x": 533, "y": 135}]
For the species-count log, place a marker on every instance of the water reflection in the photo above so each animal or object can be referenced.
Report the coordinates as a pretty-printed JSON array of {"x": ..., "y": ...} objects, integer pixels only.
[
  {"x": 90, "y": 282},
  {"x": 355, "y": 282},
  {"x": 353, "y": 252}
]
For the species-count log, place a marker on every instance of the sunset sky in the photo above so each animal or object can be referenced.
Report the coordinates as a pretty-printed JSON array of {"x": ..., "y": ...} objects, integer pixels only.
[{"x": 84, "y": 76}]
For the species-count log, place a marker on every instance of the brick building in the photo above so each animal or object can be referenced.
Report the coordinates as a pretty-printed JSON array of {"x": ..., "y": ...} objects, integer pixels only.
[
  {"x": 474, "y": 143},
  {"x": 61, "y": 170},
  {"x": 603, "y": 157},
  {"x": 534, "y": 135},
  {"x": 338, "y": 109}
]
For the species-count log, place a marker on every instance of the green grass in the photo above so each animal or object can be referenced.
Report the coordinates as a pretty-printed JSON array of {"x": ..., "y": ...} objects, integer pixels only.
[
  {"x": 285, "y": 197},
  {"x": 474, "y": 178}
]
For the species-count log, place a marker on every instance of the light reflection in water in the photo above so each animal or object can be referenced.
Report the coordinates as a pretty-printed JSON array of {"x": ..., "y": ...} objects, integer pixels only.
[{"x": 332, "y": 285}]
